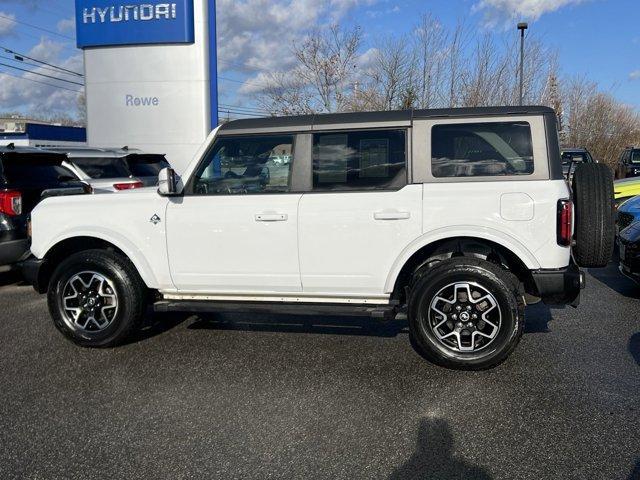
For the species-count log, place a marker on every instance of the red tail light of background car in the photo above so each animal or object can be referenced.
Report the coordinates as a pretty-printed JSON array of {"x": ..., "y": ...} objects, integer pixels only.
[
  {"x": 11, "y": 202},
  {"x": 128, "y": 186}
]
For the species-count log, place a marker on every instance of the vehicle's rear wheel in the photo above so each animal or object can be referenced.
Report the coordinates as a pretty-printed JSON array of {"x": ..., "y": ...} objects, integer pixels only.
[
  {"x": 466, "y": 313},
  {"x": 96, "y": 298},
  {"x": 594, "y": 216}
]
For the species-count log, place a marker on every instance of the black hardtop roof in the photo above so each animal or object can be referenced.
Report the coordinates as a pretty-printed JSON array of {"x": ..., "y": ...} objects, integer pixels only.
[
  {"x": 378, "y": 117},
  {"x": 8, "y": 149}
]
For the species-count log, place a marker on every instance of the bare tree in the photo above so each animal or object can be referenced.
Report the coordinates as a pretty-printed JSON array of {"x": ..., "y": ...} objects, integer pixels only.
[
  {"x": 597, "y": 121},
  {"x": 436, "y": 67},
  {"x": 322, "y": 80}
]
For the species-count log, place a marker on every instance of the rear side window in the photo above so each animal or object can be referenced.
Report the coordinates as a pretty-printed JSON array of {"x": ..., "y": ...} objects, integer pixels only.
[
  {"x": 102, "y": 167},
  {"x": 26, "y": 170},
  {"x": 359, "y": 160},
  {"x": 146, "y": 165},
  {"x": 481, "y": 149}
]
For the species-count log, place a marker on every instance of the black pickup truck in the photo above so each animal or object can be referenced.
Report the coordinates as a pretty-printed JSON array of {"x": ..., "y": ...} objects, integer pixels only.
[{"x": 27, "y": 175}]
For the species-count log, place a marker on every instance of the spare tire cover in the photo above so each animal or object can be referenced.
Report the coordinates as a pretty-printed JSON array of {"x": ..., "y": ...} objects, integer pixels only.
[{"x": 594, "y": 231}]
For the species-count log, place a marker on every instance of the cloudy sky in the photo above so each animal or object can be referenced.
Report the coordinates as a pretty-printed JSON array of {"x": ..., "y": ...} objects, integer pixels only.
[{"x": 598, "y": 39}]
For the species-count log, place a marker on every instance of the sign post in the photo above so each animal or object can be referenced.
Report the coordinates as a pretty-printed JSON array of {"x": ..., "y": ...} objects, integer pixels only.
[{"x": 150, "y": 74}]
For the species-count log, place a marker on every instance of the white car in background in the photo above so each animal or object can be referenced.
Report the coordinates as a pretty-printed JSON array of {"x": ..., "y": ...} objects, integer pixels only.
[{"x": 114, "y": 169}]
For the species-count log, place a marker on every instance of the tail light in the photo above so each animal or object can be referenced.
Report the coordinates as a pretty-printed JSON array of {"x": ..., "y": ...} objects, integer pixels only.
[
  {"x": 565, "y": 222},
  {"x": 11, "y": 202},
  {"x": 128, "y": 185}
]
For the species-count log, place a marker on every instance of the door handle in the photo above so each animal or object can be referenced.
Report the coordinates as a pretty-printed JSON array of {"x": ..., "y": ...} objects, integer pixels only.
[
  {"x": 271, "y": 217},
  {"x": 392, "y": 215}
]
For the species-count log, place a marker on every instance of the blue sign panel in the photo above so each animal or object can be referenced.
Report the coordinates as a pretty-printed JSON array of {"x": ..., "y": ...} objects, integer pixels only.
[{"x": 102, "y": 23}]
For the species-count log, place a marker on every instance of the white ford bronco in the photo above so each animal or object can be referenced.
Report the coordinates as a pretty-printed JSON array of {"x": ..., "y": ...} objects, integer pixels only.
[{"x": 456, "y": 217}]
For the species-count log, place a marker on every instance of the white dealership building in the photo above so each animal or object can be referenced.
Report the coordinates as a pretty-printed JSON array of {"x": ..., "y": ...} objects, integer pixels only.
[{"x": 150, "y": 71}]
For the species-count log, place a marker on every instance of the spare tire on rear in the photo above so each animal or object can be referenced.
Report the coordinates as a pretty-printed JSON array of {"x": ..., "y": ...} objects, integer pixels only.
[{"x": 594, "y": 215}]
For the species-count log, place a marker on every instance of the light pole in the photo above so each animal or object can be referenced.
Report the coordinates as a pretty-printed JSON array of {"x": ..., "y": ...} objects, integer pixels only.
[{"x": 522, "y": 26}]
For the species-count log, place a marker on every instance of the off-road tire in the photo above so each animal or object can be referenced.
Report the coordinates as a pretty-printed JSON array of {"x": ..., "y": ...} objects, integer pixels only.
[
  {"x": 130, "y": 291},
  {"x": 594, "y": 215},
  {"x": 505, "y": 288}
]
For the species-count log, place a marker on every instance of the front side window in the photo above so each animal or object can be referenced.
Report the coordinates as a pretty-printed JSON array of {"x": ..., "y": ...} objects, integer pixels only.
[
  {"x": 359, "y": 160},
  {"x": 245, "y": 165},
  {"x": 481, "y": 149}
]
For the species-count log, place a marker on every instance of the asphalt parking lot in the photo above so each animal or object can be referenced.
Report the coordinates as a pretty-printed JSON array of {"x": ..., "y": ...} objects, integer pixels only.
[{"x": 239, "y": 396}]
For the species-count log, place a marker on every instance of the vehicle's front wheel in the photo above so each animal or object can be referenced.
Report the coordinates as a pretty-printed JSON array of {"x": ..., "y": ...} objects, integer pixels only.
[
  {"x": 96, "y": 298},
  {"x": 466, "y": 313}
]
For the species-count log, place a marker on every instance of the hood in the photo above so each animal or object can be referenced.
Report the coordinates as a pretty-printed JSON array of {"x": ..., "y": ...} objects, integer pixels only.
[
  {"x": 627, "y": 187},
  {"x": 631, "y": 206}
]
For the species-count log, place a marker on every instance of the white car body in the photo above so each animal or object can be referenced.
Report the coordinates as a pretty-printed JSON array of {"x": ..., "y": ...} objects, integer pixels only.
[{"x": 316, "y": 247}]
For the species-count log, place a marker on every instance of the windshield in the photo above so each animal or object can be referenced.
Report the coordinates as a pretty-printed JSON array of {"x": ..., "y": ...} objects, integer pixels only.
[
  {"x": 577, "y": 157},
  {"x": 102, "y": 167},
  {"x": 635, "y": 156},
  {"x": 146, "y": 165}
]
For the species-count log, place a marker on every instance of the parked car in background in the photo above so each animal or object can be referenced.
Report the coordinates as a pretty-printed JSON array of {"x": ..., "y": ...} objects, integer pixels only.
[
  {"x": 629, "y": 163},
  {"x": 144, "y": 166},
  {"x": 27, "y": 175},
  {"x": 629, "y": 239},
  {"x": 454, "y": 231},
  {"x": 572, "y": 157},
  {"x": 103, "y": 168},
  {"x": 625, "y": 189},
  {"x": 628, "y": 212}
]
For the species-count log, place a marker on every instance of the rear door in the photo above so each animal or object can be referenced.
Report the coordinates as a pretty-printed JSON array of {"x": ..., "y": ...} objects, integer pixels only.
[{"x": 361, "y": 213}]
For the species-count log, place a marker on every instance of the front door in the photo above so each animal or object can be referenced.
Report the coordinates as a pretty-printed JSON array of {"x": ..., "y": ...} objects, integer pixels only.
[{"x": 235, "y": 229}]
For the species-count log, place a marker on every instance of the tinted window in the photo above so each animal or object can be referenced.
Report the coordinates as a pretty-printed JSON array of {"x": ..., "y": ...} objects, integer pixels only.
[
  {"x": 102, "y": 167},
  {"x": 481, "y": 149},
  {"x": 146, "y": 165},
  {"x": 27, "y": 170},
  {"x": 359, "y": 160},
  {"x": 257, "y": 164}
]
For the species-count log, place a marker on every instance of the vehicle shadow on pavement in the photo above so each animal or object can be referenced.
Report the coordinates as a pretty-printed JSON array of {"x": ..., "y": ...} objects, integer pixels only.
[
  {"x": 155, "y": 324},
  {"x": 635, "y": 474},
  {"x": 433, "y": 457},
  {"x": 330, "y": 325},
  {"x": 10, "y": 277},
  {"x": 612, "y": 278},
  {"x": 634, "y": 349},
  {"x": 537, "y": 318}
]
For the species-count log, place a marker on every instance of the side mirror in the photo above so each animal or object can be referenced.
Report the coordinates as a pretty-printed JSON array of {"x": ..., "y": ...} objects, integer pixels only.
[{"x": 167, "y": 184}]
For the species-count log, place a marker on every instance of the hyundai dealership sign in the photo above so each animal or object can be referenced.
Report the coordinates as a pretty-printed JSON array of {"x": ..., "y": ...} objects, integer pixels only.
[
  {"x": 101, "y": 23},
  {"x": 150, "y": 74}
]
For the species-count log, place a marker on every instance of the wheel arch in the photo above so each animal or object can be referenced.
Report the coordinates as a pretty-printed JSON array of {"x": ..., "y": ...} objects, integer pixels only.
[
  {"x": 66, "y": 245},
  {"x": 477, "y": 244}
]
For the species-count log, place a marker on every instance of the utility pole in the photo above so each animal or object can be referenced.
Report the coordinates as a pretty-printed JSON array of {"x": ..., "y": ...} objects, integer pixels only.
[{"x": 522, "y": 26}]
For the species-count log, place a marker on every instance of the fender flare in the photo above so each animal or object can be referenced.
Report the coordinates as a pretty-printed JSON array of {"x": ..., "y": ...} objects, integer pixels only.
[
  {"x": 451, "y": 233},
  {"x": 117, "y": 240}
]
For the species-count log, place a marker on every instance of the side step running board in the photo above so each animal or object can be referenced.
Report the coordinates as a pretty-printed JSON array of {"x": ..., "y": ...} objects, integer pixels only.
[{"x": 386, "y": 312}]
